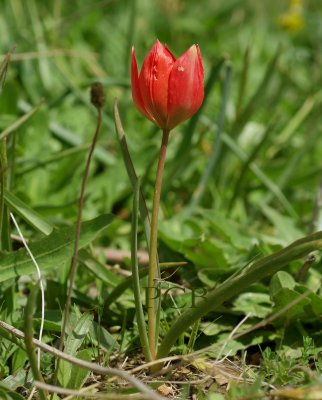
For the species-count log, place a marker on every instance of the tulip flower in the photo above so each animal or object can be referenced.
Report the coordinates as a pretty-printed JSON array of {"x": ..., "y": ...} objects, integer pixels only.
[{"x": 168, "y": 90}]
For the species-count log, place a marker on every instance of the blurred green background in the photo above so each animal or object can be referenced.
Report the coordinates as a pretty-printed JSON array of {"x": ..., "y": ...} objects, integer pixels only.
[
  {"x": 242, "y": 177},
  {"x": 61, "y": 47}
]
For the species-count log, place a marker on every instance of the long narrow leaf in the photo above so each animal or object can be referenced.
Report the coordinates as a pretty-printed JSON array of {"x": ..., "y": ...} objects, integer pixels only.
[
  {"x": 274, "y": 189},
  {"x": 131, "y": 171},
  {"x": 211, "y": 166},
  {"x": 52, "y": 251},
  {"x": 246, "y": 164},
  {"x": 257, "y": 97},
  {"x": 136, "y": 276},
  {"x": 258, "y": 270},
  {"x": 20, "y": 121},
  {"x": 4, "y": 66},
  {"x": 27, "y": 213}
]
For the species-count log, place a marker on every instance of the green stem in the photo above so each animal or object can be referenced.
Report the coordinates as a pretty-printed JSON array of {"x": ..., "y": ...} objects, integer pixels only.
[
  {"x": 131, "y": 172},
  {"x": 136, "y": 276},
  {"x": 127, "y": 283},
  {"x": 232, "y": 286},
  {"x": 153, "y": 263},
  {"x": 2, "y": 187},
  {"x": 5, "y": 243},
  {"x": 30, "y": 346},
  {"x": 243, "y": 81}
]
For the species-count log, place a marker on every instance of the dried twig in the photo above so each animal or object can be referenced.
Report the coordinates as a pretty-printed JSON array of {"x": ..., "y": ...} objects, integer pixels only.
[{"x": 85, "y": 364}]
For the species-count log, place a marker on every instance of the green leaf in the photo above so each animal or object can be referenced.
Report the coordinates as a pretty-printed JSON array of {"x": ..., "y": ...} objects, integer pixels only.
[
  {"x": 72, "y": 139},
  {"x": 20, "y": 121},
  {"x": 76, "y": 337},
  {"x": 99, "y": 269},
  {"x": 227, "y": 229},
  {"x": 258, "y": 97},
  {"x": 285, "y": 297},
  {"x": 205, "y": 253},
  {"x": 6, "y": 394},
  {"x": 216, "y": 396},
  {"x": 27, "y": 214},
  {"x": 73, "y": 342},
  {"x": 97, "y": 333},
  {"x": 256, "y": 271},
  {"x": 52, "y": 251},
  {"x": 79, "y": 375},
  {"x": 285, "y": 226},
  {"x": 4, "y": 66},
  {"x": 316, "y": 301},
  {"x": 258, "y": 304},
  {"x": 252, "y": 339},
  {"x": 261, "y": 176},
  {"x": 221, "y": 324},
  {"x": 15, "y": 380},
  {"x": 280, "y": 281},
  {"x": 131, "y": 171}
]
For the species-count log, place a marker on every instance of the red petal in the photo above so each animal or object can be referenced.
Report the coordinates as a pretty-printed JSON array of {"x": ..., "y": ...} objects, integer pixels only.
[
  {"x": 153, "y": 82},
  {"x": 186, "y": 87},
  {"x": 136, "y": 94}
]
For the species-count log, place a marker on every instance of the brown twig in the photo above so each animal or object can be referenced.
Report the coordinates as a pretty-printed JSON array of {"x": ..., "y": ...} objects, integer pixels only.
[
  {"x": 85, "y": 364},
  {"x": 97, "y": 99},
  {"x": 81, "y": 393}
]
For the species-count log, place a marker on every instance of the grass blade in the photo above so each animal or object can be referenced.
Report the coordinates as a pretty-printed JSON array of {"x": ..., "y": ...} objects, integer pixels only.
[
  {"x": 136, "y": 277},
  {"x": 256, "y": 271},
  {"x": 266, "y": 181},
  {"x": 4, "y": 66},
  {"x": 27, "y": 213},
  {"x": 17, "y": 124},
  {"x": 246, "y": 165},
  {"x": 131, "y": 172},
  {"x": 51, "y": 251},
  {"x": 30, "y": 347},
  {"x": 293, "y": 164},
  {"x": 209, "y": 171},
  {"x": 243, "y": 81},
  {"x": 257, "y": 97}
]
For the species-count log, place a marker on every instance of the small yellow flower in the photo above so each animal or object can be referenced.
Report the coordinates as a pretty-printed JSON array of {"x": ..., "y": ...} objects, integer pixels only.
[
  {"x": 296, "y": 3},
  {"x": 292, "y": 20}
]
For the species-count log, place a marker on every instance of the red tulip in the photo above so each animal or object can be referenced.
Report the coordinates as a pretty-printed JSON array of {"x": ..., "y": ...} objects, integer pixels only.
[{"x": 168, "y": 91}]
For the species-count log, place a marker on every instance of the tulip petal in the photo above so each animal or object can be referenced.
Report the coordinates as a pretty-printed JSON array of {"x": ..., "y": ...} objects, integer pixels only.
[
  {"x": 186, "y": 87},
  {"x": 153, "y": 82},
  {"x": 136, "y": 94}
]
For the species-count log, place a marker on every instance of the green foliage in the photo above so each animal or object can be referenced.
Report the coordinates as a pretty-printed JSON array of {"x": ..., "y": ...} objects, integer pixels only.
[
  {"x": 9, "y": 395},
  {"x": 70, "y": 375},
  {"x": 52, "y": 251},
  {"x": 242, "y": 182},
  {"x": 26, "y": 213}
]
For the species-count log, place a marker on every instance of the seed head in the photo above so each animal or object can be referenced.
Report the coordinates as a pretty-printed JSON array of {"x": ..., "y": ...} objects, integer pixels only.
[{"x": 97, "y": 95}]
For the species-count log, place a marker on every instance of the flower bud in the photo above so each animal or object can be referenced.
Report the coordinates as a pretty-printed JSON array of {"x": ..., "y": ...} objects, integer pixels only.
[
  {"x": 168, "y": 90},
  {"x": 97, "y": 95}
]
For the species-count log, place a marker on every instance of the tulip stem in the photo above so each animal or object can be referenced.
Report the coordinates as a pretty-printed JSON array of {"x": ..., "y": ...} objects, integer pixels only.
[{"x": 153, "y": 265}]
